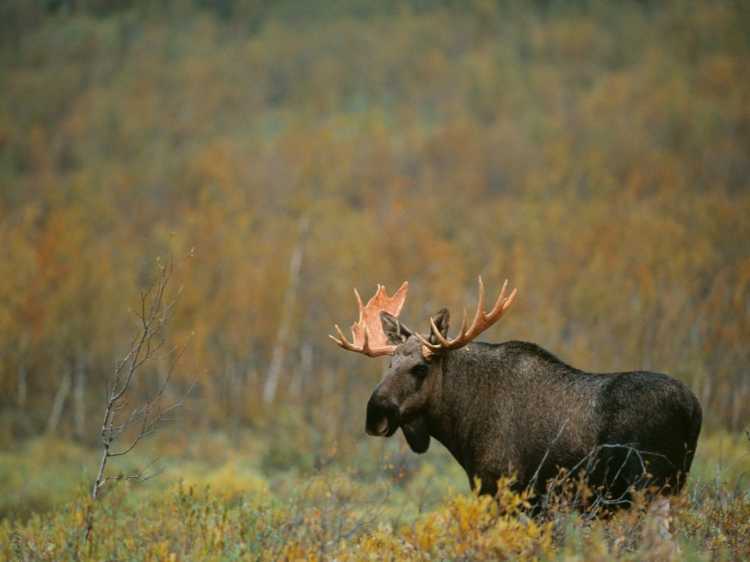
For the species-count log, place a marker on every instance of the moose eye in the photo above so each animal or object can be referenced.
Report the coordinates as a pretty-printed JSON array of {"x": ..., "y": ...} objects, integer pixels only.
[{"x": 419, "y": 370}]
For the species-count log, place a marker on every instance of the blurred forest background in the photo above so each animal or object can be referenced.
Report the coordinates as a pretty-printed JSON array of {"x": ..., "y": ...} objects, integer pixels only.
[{"x": 597, "y": 154}]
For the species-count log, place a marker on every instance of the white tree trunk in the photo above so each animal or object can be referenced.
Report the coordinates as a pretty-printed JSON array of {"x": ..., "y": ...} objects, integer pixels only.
[
  {"x": 302, "y": 374},
  {"x": 290, "y": 298},
  {"x": 79, "y": 399},
  {"x": 59, "y": 403}
]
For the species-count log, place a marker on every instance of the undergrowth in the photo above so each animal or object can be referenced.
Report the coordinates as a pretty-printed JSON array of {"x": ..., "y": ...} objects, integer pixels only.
[{"x": 233, "y": 510}]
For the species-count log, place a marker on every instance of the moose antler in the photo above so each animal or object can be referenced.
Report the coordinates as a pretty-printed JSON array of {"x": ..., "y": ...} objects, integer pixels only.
[
  {"x": 482, "y": 320},
  {"x": 367, "y": 333}
]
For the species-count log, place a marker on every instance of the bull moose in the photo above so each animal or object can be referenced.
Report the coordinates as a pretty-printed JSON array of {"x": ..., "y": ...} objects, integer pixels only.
[{"x": 514, "y": 408}]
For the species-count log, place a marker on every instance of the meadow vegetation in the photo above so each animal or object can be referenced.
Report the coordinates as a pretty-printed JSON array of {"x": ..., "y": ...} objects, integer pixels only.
[
  {"x": 595, "y": 153},
  {"x": 220, "y": 498}
]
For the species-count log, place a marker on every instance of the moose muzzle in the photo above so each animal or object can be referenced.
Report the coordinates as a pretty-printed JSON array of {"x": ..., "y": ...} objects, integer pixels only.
[{"x": 382, "y": 416}]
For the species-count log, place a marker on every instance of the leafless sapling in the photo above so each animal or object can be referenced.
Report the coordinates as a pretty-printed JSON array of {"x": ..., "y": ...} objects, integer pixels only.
[{"x": 124, "y": 425}]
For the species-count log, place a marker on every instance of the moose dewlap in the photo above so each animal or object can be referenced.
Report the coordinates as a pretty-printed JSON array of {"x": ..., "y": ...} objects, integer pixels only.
[{"x": 515, "y": 409}]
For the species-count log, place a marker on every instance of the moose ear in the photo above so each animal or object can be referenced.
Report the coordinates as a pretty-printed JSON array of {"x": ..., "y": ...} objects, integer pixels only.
[
  {"x": 417, "y": 435},
  {"x": 394, "y": 330},
  {"x": 442, "y": 320}
]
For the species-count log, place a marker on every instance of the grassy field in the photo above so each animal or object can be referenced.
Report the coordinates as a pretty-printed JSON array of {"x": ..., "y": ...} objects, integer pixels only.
[{"x": 247, "y": 497}]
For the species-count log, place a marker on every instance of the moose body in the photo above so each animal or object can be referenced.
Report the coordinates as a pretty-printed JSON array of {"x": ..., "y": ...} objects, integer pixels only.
[{"x": 514, "y": 409}]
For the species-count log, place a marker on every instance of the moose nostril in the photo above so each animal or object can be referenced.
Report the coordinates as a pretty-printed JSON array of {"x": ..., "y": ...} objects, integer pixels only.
[
  {"x": 389, "y": 403},
  {"x": 383, "y": 403}
]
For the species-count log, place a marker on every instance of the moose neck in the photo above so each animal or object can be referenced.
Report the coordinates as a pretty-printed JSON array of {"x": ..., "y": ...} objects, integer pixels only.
[{"x": 464, "y": 381}]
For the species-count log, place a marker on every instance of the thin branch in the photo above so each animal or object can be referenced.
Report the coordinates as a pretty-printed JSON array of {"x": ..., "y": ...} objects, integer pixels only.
[
  {"x": 546, "y": 454},
  {"x": 153, "y": 315}
]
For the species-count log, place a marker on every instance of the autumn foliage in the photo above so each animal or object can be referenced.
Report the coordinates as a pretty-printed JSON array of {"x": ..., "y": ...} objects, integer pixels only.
[{"x": 595, "y": 154}]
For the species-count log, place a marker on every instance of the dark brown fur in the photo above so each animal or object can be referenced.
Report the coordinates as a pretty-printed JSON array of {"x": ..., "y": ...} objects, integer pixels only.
[{"x": 514, "y": 408}]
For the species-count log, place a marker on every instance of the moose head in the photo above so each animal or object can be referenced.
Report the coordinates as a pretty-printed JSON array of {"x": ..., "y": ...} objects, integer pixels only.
[{"x": 412, "y": 380}]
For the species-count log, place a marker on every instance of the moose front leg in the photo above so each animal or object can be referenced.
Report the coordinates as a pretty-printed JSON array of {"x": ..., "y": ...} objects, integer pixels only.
[{"x": 484, "y": 484}]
